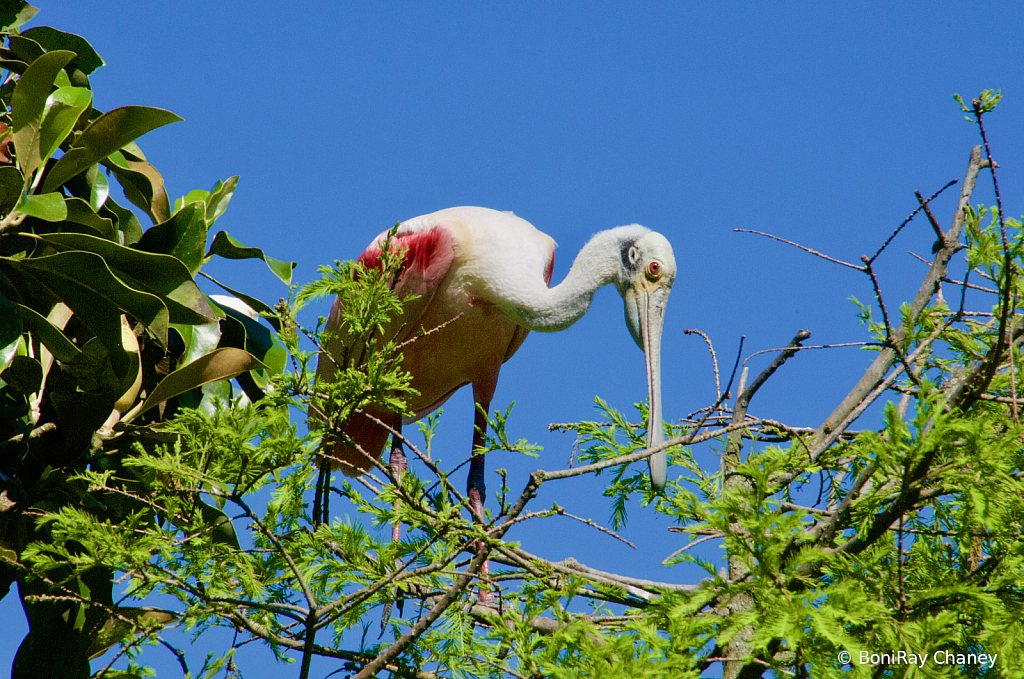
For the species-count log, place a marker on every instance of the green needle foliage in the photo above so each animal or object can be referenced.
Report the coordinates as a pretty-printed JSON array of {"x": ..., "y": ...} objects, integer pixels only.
[{"x": 155, "y": 449}]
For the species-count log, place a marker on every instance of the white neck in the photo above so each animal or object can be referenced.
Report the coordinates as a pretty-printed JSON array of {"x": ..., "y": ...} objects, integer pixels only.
[{"x": 598, "y": 264}]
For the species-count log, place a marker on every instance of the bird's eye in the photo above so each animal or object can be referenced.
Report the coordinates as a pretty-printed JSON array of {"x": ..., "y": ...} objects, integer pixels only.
[{"x": 654, "y": 270}]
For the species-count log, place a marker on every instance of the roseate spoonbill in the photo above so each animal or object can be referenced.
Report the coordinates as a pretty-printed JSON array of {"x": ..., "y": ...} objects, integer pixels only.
[{"x": 495, "y": 268}]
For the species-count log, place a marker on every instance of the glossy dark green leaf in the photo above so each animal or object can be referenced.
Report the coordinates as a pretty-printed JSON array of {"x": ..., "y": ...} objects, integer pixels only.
[
  {"x": 220, "y": 364},
  {"x": 143, "y": 185},
  {"x": 119, "y": 626},
  {"x": 24, "y": 375},
  {"x": 108, "y": 133},
  {"x": 11, "y": 186},
  {"x": 228, "y": 247},
  {"x": 259, "y": 341},
  {"x": 80, "y": 212},
  {"x": 10, "y": 322},
  {"x": 50, "y": 335},
  {"x": 53, "y": 651},
  {"x": 259, "y": 307},
  {"x": 24, "y": 48},
  {"x": 191, "y": 197},
  {"x": 182, "y": 236},
  {"x": 49, "y": 207},
  {"x": 99, "y": 187},
  {"x": 28, "y": 104},
  {"x": 13, "y": 65},
  {"x": 84, "y": 282},
  {"x": 161, "y": 275},
  {"x": 127, "y": 223},
  {"x": 14, "y": 13},
  {"x": 219, "y": 198},
  {"x": 52, "y": 39},
  {"x": 223, "y": 531},
  {"x": 63, "y": 108},
  {"x": 199, "y": 340}
]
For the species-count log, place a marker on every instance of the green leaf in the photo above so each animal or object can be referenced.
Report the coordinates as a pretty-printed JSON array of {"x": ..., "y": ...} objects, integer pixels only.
[
  {"x": 127, "y": 223},
  {"x": 142, "y": 185},
  {"x": 259, "y": 307},
  {"x": 11, "y": 326},
  {"x": 228, "y": 247},
  {"x": 14, "y": 13},
  {"x": 99, "y": 187},
  {"x": 110, "y": 132},
  {"x": 25, "y": 49},
  {"x": 199, "y": 340},
  {"x": 28, "y": 104},
  {"x": 84, "y": 282},
  {"x": 80, "y": 212},
  {"x": 120, "y": 626},
  {"x": 87, "y": 60},
  {"x": 49, "y": 207},
  {"x": 219, "y": 198},
  {"x": 49, "y": 334},
  {"x": 161, "y": 275},
  {"x": 63, "y": 107},
  {"x": 223, "y": 530},
  {"x": 24, "y": 374},
  {"x": 220, "y": 364},
  {"x": 259, "y": 340},
  {"x": 183, "y": 236},
  {"x": 11, "y": 185}
]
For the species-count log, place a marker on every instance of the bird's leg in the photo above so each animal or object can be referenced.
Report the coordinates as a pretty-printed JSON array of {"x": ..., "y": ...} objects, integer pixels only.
[
  {"x": 476, "y": 488},
  {"x": 398, "y": 464}
]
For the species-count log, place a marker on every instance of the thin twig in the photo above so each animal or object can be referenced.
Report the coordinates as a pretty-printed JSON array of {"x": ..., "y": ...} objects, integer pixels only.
[
  {"x": 714, "y": 358},
  {"x": 946, "y": 279},
  {"x": 818, "y": 346},
  {"x": 931, "y": 217},
  {"x": 912, "y": 215},
  {"x": 805, "y": 249},
  {"x": 682, "y": 549}
]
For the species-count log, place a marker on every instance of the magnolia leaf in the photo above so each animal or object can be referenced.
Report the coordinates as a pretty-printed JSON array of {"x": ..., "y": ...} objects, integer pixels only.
[
  {"x": 14, "y": 13},
  {"x": 28, "y": 104},
  {"x": 11, "y": 186},
  {"x": 199, "y": 340},
  {"x": 256, "y": 305},
  {"x": 50, "y": 335},
  {"x": 84, "y": 282},
  {"x": 161, "y": 275},
  {"x": 62, "y": 110},
  {"x": 128, "y": 225},
  {"x": 182, "y": 236},
  {"x": 220, "y": 364},
  {"x": 25, "y": 49},
  {"x": 228, "y": 247},
  {"x": 143, "y": 185},
  {"x": 87, "y": 60},
  {"x": 80, "y": 212},
  {"x": 49, "y": 207},
  {"x": 10, "y": 322},
  {"x": 107, "y": 134},
  {"x": 219, "y": 198},
  {"x": 119, "y": 626}
]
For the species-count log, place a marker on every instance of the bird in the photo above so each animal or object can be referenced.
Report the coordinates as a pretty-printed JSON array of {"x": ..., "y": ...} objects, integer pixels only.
[{"x": 491, "y": 272}]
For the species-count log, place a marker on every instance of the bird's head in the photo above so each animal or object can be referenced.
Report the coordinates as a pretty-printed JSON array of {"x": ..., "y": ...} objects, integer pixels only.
[{"x": 648, "y": 271}]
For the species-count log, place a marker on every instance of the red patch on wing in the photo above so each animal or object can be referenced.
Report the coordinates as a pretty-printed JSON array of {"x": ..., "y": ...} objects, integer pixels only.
[
  {"x": 421, "y": 249},
  {"x": 549, "y": 270}
]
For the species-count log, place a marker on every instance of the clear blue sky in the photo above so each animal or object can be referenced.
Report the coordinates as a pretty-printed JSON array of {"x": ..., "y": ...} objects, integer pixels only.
[{"x": 813, "y": 121}]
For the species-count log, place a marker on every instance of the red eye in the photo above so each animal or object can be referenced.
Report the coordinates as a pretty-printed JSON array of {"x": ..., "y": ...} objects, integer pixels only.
[{"x": 654, "y": 270}]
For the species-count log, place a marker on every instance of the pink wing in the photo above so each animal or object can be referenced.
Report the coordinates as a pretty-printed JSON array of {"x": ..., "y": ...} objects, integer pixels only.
[{"x": 428, "y": 258}]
